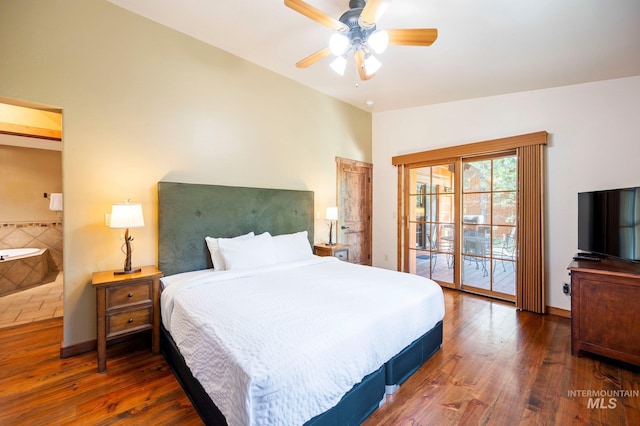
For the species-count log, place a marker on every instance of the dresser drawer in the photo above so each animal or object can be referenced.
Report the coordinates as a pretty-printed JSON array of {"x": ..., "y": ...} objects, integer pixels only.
[
  {"x": 342, "y": 254},
  {"x": 341, "y": 251},
  {"x": 127, "y": 295},
  {"x": 129, "y": 321}
]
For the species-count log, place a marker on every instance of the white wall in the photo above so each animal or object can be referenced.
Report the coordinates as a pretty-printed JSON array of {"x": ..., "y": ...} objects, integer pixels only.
[{"x": 594, "y": 143}]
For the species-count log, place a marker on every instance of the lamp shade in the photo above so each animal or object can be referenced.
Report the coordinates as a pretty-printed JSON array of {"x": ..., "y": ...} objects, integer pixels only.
[
  {"x": 126, "y": 215},
  {"x": 371, "y": 65},
  {"x": 379, "y": 41},
  {"x": 339, "y": 64},
  {"x": 332, "y": 213},
  {"x": 338, "y": 43}
]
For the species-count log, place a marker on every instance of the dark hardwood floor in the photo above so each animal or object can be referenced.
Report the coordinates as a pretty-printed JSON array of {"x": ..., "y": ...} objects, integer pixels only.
[
  {"x": 39, "y": 388},
  {"x": 497, "y": 366}
]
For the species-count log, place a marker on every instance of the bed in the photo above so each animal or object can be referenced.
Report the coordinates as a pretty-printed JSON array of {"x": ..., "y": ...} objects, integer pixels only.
[{"x": 326, "y": 339}]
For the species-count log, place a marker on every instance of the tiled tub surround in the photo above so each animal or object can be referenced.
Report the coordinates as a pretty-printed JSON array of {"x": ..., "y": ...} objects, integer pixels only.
[{"x": 21, "y": 272}]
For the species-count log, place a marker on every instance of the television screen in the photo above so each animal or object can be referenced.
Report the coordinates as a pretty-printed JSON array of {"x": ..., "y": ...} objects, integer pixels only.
[{"x": 609, "y": 222}]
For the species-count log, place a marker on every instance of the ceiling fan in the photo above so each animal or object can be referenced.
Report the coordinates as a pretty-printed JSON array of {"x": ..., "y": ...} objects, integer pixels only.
[{"x": 356, "y": 33}]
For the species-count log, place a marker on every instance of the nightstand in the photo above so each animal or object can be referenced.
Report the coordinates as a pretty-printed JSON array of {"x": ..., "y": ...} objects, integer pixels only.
[
  {"x": 341, "y": 251},
  {"x": 126, "y": 305}
]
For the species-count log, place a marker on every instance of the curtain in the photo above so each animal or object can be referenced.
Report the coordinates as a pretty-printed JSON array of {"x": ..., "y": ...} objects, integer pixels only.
[{"x": 530, "y": 278}]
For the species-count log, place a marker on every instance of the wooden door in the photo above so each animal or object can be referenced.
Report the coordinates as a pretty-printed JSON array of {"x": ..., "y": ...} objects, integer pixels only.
[{"x": 355, "y": 205}]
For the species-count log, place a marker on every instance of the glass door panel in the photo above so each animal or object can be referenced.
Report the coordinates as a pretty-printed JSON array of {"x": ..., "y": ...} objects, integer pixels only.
[
  {"x": 431, "y": 238},
  {"x": 489, "y": 217}
]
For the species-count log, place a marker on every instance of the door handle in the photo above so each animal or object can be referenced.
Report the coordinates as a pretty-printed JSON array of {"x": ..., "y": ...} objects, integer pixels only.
[{"x": 344, "y": 227}]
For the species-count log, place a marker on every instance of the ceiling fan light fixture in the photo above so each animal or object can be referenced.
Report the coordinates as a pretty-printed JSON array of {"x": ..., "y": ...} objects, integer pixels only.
[
  {"x": 356, "y": 34},
  {"x": 338, "y": 43},
  {"x": 371, "y": 65},
  {"x": 378, "y": 41},
  {"x": 339, "y": 64}
]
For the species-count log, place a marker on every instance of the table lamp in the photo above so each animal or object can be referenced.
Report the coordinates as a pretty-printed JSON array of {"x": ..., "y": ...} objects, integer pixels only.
[{"x": 127, "y": 215}]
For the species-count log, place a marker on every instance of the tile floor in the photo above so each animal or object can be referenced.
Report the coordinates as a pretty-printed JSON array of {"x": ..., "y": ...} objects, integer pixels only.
[{"x": 34, "y": 304}]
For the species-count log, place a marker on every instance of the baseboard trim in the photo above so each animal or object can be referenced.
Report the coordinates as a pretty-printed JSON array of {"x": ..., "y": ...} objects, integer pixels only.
[
  {"x": 77, "y": 349},
  {"x": 558, "y": 312}
]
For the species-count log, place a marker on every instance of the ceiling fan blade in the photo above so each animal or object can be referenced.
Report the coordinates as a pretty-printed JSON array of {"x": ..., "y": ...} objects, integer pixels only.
[
  {"x": 415, "y": 37},
  {"x": 315, "y": 14},
  {"x": 372, "y": 12},
  {"x": 313, "y": 58},
  {"x": 360, "y": 64}
]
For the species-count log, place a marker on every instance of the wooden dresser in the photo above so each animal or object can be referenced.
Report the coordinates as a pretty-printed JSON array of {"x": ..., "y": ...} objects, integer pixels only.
[
  {"x": 605, "y": 318},
  {"x": 125, "y": 305}
]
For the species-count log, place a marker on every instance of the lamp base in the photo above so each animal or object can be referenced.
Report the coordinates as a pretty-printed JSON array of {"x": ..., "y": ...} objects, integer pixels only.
[
  {"x": 331, "y": 243},
  {"x": 127, "y": 269},
  {"x": 123, "y": 272}
]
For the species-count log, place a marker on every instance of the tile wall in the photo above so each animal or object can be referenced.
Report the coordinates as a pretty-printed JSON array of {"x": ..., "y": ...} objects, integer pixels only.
[{"x": 37, "y": 235}]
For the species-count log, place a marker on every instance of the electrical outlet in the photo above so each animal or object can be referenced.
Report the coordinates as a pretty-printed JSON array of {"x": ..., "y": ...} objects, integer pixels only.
[{"x": 566, "y": 288}]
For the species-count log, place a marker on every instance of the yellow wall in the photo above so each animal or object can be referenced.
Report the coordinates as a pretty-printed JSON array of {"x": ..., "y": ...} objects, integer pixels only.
[
  {"x": 143, "y": 103},
  {"x": 25, "y": 175}
]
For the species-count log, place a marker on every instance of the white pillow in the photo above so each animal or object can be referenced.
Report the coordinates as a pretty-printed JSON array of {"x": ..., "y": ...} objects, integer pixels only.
[
  {"x": 214, "y": 250},
  {"x": 248, "y": 253},
  {"x": 292, "y": 247}
]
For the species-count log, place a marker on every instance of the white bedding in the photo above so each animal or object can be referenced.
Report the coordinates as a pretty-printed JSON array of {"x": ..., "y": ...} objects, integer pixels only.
[{"x": 279, "y": 345}]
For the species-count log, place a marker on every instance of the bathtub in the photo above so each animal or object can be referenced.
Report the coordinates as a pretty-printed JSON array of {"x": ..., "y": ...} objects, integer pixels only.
[
  {"x": 22, "y": 268},
  {"x": 5, "y": 254}
]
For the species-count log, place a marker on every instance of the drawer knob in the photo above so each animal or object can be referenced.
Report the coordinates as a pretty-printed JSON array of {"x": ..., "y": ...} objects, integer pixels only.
[
  {"x": 130, "y": 320},
  {"x": 130, "y": 295}
]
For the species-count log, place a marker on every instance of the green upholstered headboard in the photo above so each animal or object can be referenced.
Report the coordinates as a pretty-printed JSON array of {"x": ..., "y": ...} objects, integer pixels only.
[{"x": 187, "y": 213}]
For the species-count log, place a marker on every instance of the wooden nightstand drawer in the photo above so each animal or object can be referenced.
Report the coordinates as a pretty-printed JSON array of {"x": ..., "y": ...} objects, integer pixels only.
[
  {"x": 127, "y": 295},
  {"x": 131, "y": 321}
]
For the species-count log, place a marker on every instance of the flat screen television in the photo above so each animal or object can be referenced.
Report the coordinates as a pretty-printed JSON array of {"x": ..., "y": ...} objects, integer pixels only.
[{"x": 609, "y": 223}]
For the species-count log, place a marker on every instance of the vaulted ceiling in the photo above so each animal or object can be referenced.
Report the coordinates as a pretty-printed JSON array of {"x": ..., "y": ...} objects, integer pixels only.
[{"x": 484, "y": 48}]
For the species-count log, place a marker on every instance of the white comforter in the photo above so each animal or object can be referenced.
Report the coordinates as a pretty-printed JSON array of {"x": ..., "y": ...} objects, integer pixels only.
[{"x": 281, "y": 344}]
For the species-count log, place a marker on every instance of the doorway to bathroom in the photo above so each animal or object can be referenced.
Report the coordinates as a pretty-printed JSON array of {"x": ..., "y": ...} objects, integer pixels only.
[{"x": 31, "y": 222}]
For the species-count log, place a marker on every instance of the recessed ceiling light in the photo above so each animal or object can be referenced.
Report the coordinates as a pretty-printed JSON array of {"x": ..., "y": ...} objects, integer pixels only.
[{"x": 370, "y": 103}]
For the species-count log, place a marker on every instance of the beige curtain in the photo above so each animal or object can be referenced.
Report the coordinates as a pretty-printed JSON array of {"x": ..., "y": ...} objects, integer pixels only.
[{"x": 530, "y": 279}]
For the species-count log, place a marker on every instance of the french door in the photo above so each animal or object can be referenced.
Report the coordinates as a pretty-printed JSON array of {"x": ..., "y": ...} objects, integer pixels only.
[{"x": 461, "y": 223}]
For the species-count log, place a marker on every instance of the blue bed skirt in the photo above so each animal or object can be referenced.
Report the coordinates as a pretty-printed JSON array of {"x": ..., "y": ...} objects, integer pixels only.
[{"x": 354, "y": 407}]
